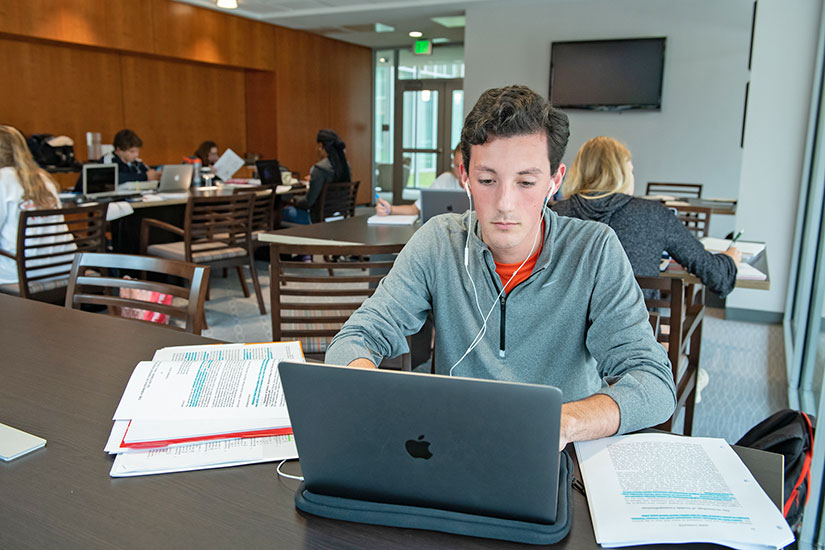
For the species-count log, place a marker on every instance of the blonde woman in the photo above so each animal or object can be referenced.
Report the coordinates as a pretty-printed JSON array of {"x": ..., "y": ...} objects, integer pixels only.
[
  {"x": 600, "y": 186},
  {"x": 23, "y": 186}
]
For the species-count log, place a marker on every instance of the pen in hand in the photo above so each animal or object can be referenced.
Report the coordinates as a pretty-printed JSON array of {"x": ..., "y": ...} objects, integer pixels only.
[
  {"x": 735, "y": 238},
  {"x": 382, "y": 207}
]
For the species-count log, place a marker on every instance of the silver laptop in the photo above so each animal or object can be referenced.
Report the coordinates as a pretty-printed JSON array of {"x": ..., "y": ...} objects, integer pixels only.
[
  {"x": 175, "y": 178},
  {"x": 442, "y": 201},
  {"x": 100, "y": 180},
  {"x": 459, "y": 444}
]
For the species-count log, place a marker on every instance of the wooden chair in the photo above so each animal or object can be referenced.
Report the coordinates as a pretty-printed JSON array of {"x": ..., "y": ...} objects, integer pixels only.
[
  {"x": 216, "y": 232},
  {"x": 43, "y": 268},
  {"x": 337, "y": 200},
  {"x": 90, "y": 282},
  {"x": 695, "y": 218},
  {"x": 688, "y": 190},
  {"x": 317, "y": 301},
  {"x": 263, "y": 210},
  {"x": 678, "y": 312}
]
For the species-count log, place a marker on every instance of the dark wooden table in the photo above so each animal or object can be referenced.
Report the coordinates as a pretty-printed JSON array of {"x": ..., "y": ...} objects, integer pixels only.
[
  {"x": 62, "y": 374},
  {"x": 347, "y": 231}
]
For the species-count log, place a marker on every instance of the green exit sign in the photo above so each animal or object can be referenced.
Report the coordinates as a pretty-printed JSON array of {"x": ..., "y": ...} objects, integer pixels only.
[{"x": 423, "y": 47}]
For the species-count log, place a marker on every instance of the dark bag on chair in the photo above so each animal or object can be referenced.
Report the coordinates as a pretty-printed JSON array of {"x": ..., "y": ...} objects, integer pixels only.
[
  {"x": 51, "y": 156},
  {"x": 789, "y": 433}
]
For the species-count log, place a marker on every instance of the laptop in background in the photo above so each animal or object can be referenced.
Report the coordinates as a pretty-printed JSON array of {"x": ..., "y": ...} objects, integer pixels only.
[
  {"x": 99, "y": 180},
  {"x": 175, "y": 178},
  {"x": 269, "y": 172},
  {"x": 442, "y": 201},
  {"x": 459, "y": 444}
]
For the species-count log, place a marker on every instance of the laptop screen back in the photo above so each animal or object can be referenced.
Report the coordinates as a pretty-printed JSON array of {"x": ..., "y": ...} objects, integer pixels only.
[
  {"x": 99, "y": 179},
  {"x": 269, "y": 172},
  {"x": 442, "y": 201},
  {"x": 175, "y": 178},
  {"x": 460, "y": 444}
]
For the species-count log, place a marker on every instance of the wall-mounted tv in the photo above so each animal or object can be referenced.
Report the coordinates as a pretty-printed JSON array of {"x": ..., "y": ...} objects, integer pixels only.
[{"x": 607, "y": 75}]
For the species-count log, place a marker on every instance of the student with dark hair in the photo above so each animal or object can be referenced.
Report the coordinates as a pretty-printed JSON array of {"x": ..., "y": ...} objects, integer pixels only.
[
  {"x": 517, "y": 292},
  {"x": 129, "y": 167},
  {"x": 331, "y": 168},
  {"x": 207, "y": 152}
]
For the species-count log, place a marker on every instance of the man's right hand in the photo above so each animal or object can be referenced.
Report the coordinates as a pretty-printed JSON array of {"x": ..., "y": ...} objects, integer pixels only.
[
  {"x": 735, "y": 254},
  {"x": 152, "y": 175},
  {"x": 383, "y": 208}
]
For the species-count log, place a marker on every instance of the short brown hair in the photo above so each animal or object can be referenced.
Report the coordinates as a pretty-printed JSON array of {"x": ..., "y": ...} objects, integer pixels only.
[
  {"x": 515, "y": 111},
  {"x": 126, "y": 139},
  {"x": 600, "y": 169}
]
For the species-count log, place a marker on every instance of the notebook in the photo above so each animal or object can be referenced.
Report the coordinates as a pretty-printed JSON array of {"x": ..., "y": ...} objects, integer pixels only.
[
  {"x": 15, "y": 443},
  {"x": 99, "y": 180},
  {"x": 442, "y": 201},
  {"x": 175, "y": 178},
  {"x": 458, "y": 444}
]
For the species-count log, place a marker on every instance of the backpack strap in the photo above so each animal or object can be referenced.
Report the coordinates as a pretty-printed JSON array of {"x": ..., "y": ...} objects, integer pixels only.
[{"x": 805, "y": 473}]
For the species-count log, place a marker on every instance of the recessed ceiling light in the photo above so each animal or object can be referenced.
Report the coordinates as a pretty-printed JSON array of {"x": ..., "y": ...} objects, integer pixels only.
[
  {"x": 227, "y": 4},
  {"x": 416, "y": 34},
  {"x": 381, "y": 27},
  {"x": 451, "y": 22}
]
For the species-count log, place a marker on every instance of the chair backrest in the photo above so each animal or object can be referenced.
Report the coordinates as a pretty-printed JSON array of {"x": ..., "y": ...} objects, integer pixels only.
[
  {"x": 695, "y": 218},
  {"x": 47, "y": 241},
  {"x": 677, "y": 310},
  {"x": 689, "y": 190},
  {"x": 92, "y": 282},
  {"x": 337, "y": 199},
  {"x": 263, "y": 206},
  {"x": 311, "y": 302},
  {"x": 216, "y": 223}
]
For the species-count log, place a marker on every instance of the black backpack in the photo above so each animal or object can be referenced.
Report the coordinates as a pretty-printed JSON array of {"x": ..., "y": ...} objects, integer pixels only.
[
  {"x": 51, "y": 157},
  {"x": 789, "y": 433}
]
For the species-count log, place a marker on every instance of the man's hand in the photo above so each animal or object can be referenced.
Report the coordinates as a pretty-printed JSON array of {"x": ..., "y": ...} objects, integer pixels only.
[
  {"x": 152, "y": 175},
  {"x": 735, "y": 254},
  {"x": 362, "y": 363},
  {"x": 591, "y": 418}
]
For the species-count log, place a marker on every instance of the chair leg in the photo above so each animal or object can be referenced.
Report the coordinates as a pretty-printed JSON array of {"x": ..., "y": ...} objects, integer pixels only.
[
  {"x": 242, "y": 278},
  {"x": 225, "y": 272},
  {"x": 256, "y": 285},
  {"x": 204, "y": 326}
]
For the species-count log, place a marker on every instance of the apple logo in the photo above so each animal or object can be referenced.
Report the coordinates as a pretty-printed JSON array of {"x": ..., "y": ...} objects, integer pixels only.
[
  {"x": 177, "y": 177},
  {"x": 419, "y": 448}
]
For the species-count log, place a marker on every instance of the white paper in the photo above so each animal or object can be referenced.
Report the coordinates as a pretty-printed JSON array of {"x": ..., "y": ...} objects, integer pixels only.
[
  {"x": 199, "y": 456},
  {"x": 117, "y": 210},
  {"x": 15, "y": 443},
  {"x": 227, "y": 165},
  {"x": 748, "y": 249},
  {"x": 391, "y": 220},
  {"x": 162, "y": 430},
  {"x": 283, "y": 351},
  {"x": 204, "y": 389},
  {"x": 663, "y": 488},
  {"x": 116, "y": 436},
  {"x": 747, "y": 272}
]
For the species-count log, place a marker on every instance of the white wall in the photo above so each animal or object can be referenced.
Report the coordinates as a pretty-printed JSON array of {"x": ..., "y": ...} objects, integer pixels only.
[
  {"x": 694, "y": 138},
  {"x": 772, "y": 163}
]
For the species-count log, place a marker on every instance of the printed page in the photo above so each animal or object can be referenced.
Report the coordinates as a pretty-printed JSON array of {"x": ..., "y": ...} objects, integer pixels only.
[
  {"x": 161, "y": 430},
  {"x": 199, "y": 456},
  {"x": 203, "y": 389},
  {"x": 282, "y": 351},
  {"x": 663, "y": 488},
  {"x": 226, "y": 166}
]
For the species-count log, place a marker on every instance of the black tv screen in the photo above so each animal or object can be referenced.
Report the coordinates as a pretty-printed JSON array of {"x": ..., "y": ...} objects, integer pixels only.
[{"x": 609, "y": 75}]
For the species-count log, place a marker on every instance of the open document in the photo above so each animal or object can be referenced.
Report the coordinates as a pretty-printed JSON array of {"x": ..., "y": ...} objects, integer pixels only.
[{"x": 663, "y": 488}]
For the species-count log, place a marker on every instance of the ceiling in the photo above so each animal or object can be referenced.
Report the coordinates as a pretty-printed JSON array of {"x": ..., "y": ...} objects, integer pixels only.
[{"x": 354, "y": 20}]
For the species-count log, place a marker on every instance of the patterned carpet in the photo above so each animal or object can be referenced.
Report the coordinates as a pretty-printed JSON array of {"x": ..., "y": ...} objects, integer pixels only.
[{"x": 745, "y": 361}]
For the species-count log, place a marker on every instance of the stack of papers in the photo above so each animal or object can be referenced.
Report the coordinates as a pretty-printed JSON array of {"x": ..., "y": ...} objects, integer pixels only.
[
  {"x": 196, "y": 407},
  {"x": 750, "y": 252},
  {"x": 669, "y": 489},
  {"x": 391, "y": 220}
]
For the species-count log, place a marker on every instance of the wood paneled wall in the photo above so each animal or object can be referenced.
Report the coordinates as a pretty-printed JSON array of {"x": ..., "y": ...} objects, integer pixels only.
[{"x": 178, "y": 74}]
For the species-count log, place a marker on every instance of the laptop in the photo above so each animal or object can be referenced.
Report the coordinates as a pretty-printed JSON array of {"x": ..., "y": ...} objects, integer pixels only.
[
  {"x": 458, "y": 444},
  {"x": 99, "y": 180},
  {"x": 442, "y": 201},
  {"x": 269, "y": 172},
  {"x": 175, "y": 178}
]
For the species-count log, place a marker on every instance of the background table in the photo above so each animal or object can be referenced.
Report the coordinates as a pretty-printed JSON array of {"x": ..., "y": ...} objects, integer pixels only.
[
  {"x": 63, "y": 373},
  {"x": 347, "y": 231}
]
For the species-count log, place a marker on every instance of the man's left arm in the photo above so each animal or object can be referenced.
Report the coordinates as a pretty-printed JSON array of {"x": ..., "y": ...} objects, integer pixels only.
[{"x": 638, "y": 390}]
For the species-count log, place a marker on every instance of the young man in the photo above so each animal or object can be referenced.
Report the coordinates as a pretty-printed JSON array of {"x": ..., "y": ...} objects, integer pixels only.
[
  {"x": 561, "y": 304},
  {"x": 447, "y": 180},
  {"x": 129, "y": 166}
]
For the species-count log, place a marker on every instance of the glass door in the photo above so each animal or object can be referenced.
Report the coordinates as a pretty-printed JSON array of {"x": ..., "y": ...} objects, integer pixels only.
[{"x": 428, "y": 120}]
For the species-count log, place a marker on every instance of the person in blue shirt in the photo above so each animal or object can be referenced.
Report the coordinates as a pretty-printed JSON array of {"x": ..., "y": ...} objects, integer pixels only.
[{"x": 129, "y": 167}]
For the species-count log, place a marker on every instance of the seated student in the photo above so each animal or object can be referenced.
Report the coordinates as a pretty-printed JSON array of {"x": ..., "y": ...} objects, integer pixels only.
[
  {"x": 129, "y": 166},
  {"x": 540, "y": 298},
  {"x": 447, "y": 180},
  {"x": 207, "y": 152},
  {"x": 23, "y": 186},
  {"x": 600, "y": 187},
  {"x": 331, "y": 168}
]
